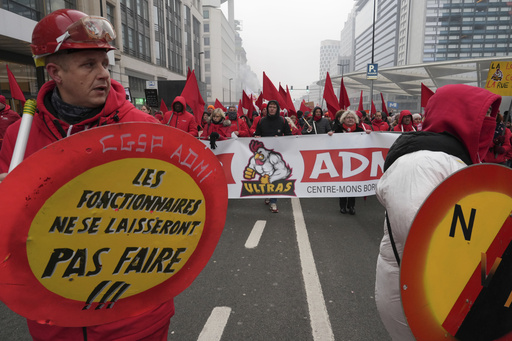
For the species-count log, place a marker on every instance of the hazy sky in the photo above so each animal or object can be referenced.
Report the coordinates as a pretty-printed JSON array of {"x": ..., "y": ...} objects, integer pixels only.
[{"x": 282, "y": 37}]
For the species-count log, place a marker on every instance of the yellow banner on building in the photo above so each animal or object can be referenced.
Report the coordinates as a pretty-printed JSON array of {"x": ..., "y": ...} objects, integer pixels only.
[{"x": 499, "y": 78}]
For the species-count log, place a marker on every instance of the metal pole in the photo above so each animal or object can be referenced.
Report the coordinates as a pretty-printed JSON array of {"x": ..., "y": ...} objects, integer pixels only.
[
  {"x": 373, "y": 51},
  {"x": 230, "y": 90}
]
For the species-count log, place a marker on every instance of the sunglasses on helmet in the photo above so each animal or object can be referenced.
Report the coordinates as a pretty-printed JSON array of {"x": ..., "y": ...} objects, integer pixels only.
[{"x": 88, "y": 29}]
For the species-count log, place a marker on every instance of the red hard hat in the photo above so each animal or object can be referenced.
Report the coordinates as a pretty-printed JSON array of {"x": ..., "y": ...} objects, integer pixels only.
[{"x": 67, "y": 29}]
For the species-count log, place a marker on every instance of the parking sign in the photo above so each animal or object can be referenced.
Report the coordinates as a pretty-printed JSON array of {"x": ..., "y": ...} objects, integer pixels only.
[{"x": 372, "y": 71}]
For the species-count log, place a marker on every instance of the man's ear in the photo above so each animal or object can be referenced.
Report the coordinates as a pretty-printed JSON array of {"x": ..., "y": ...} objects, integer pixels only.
[{"x": 54, "y": 71}]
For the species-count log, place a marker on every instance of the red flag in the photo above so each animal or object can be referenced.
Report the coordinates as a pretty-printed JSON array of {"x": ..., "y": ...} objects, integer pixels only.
[
  {"x": 188, "y": 73},
  {"x": 16, "y": 92},
  {"x": 240, "y": 110},
  {"x": 163, "y": 107},
  {"x": 218, "y": 104},
  {"x": 360, "y": 107},
  {"x": 426, "y": 93},
  {"x": 384, "y": 109},
  {"x": 259, "y": 101},
  {"x": 303, "y": 107},
  {"x": 270, "y": 92},
  {"x": 333, "y": 105},
  {"x": 282, "y": 92},
  {"x": 344, "y": 100},
  {"x": 193, "y": 97},
  {"x": 246, "y": 103},
  {"x": 373, "y": 110},
  {"x": 289, "y": 101}
]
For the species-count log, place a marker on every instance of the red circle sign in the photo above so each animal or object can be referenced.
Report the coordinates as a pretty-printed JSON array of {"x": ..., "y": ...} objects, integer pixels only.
[
  {"x": 456, "y": 271},
  {"x": 108, "y": 223}
]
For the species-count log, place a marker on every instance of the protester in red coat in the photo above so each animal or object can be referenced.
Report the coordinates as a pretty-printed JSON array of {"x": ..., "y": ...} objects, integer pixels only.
[
  {"x": 500, "y": 145},
  {"x": 81, "y": 96},
  {"x": 179, "y": 118},
  {"x": 378, "y": 124},
  {"x": 7, "y": 117},
  {"x": 257, "y": 119},
  {"x": 238, "y": 126},
  {"x": 405, "y": 122},
  {"x": 216, "y": 123},
  {"x": 363, "y": 125}
]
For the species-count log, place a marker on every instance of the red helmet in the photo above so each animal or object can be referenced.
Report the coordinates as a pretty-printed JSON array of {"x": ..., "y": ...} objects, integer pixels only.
[{"x": 67, "y": 29}]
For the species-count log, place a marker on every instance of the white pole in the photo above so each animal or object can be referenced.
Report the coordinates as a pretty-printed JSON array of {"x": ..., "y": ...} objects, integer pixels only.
[{"x": 21, "y": 141}]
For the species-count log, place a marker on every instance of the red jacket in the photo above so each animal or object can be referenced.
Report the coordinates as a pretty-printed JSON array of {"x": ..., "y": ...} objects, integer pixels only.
[
  {"x": 43, "y": 132},
  {"x": 402, "y": 127},
  {"x": 380, "y": 125},
  {"x": 223, "y": 129},
  {"x": 182, "y": 120},
  {"x": 240, "y": 126},
  {"x": 7, "y": 117},
  {"x": 500, "y": 148},
  {"x": 254, "y": 125}
]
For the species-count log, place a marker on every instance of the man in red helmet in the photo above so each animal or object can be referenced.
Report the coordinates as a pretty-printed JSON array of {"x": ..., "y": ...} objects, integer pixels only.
[{"x": 73, "y": 47}]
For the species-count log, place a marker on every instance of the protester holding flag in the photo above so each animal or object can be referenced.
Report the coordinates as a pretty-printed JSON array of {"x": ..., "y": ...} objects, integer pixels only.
[
  {"x": 500, "y": 146},
  {"x": 81, "y": 96},
  {"x": 404, "y": 122},
  {"x": 318, "y": 124},
  {"x": 257, "y": 119},
  {"x": 7, "y": 117},
  {"x": 179, "y": 118},
  {"x": 238, "y": 126},
  {"x": 378, "y": 124}
]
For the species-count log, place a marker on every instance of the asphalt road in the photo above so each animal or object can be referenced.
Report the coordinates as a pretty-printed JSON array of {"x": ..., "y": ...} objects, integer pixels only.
[{"x": 318, "y": 286}]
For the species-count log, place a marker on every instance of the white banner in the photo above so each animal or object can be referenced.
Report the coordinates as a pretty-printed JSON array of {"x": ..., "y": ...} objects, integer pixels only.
[{"x": 341, "y": 165}]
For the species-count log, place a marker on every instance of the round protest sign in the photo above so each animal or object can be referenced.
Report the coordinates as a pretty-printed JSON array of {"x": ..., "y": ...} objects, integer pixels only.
[
  {"x": 108, "y": 223},
  {"x": 456, "y": 272}
]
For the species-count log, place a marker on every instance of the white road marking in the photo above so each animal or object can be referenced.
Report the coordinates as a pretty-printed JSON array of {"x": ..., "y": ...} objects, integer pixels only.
[
  {"x": 254, "y": 237},
  {"x": 214, "y": 327},
  {"x": 320, "y": 323}
]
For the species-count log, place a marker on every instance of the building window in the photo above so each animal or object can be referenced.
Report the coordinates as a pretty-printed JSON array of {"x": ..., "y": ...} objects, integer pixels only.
[{"x": 135, "y": 16}]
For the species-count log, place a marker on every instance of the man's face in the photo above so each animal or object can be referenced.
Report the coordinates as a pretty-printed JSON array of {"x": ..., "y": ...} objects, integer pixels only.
[
  {"x": 378, "y": 116},
  {"x": 406, "y": 120},
  {"x": 231, "y": 110},
  {"x": 210, "y": 110},
  {"x": 264, "y": 112},
  {"x": 318, "y": 113},
  {"x": 272, "y": 109},
  {"x": 82, "y": 78},
  {"x": 177, "y": 107}
]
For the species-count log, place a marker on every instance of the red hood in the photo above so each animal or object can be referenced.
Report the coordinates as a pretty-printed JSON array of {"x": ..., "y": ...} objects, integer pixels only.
[{"x": 460, "y": 110}]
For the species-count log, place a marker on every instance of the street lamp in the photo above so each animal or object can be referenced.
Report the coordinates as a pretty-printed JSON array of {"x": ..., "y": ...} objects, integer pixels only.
[{"x": 230, "y": 90}]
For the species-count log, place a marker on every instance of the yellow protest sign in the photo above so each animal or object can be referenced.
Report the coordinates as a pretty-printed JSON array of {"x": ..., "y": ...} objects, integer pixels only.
[
  {"x": 108, "y": 223},
  {"x": 499, "y": 78},
  {"x": 456, "y": 271}
]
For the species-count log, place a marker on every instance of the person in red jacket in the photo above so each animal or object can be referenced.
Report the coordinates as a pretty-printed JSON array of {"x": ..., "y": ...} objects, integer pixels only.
[
  {"x": 179, "y": 118},
  {"x": 81, "y": 96},
  {"x": 405, "y": 122},
  {"x": 257, "y": 119},
  {"x": 238, "y": 126},
  {"x": 378, "y": 124},
  {"x": 217, "y": 128},
  {"x": 7, "y": 117},
  {"x": 500, "y": 145}
]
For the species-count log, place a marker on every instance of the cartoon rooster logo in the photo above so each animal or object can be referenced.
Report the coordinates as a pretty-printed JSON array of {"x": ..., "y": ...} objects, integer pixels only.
[{"x": 268, "y": 164}]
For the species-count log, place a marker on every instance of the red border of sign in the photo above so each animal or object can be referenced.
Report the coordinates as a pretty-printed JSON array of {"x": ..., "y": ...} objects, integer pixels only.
[
  {"x": 469, "y": 180},
  {"x": 37, "y": 178}
]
